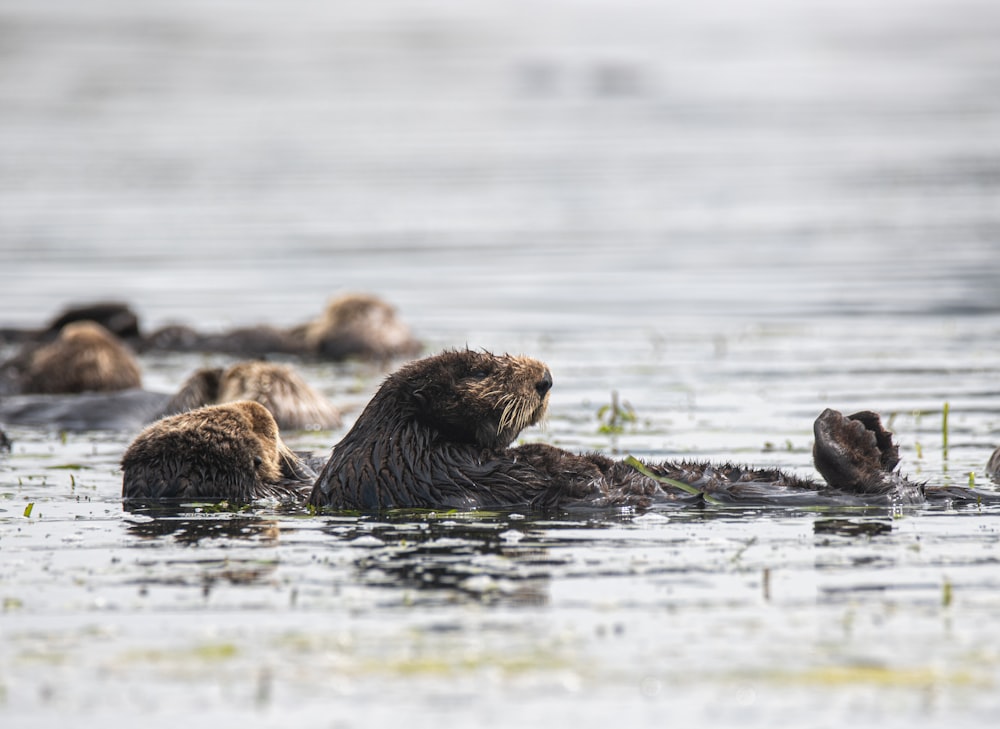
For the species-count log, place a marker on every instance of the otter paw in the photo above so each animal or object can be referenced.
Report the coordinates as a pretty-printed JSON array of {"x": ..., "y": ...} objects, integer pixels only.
[{"x": 853, "y": 451}]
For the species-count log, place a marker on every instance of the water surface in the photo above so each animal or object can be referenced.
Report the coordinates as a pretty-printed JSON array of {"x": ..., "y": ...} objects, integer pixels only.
[{"x": 733, "y": 217}]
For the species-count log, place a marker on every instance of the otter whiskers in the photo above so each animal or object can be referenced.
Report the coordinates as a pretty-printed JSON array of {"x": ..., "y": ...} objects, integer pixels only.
[{"x": 517, "y": 413}]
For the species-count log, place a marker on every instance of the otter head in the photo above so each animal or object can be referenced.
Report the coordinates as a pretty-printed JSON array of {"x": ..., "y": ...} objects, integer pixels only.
[
  {"x": 85, "y": 356},
  {"x": 294, "y": 404},
  {"x": 358, "y": 324},
  {"x": 475, "y": 397},
  {"x": 231, "y": 451},
  {"x": 272, "y": 459}
]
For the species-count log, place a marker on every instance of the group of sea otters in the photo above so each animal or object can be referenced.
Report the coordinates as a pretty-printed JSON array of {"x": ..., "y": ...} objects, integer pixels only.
[{"x": 437, "y": 434}]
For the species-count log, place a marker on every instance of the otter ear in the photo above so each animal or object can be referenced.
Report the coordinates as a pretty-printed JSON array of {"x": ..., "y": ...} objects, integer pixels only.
[
  {"x": 428, "y": 395},
  {"x": 420, "y": 392}
]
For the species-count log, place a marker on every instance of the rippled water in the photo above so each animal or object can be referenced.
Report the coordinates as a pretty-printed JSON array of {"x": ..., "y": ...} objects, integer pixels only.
[{"x": 732, "y": 216}]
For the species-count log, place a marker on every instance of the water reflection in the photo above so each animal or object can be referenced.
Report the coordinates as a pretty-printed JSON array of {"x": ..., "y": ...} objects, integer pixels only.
[
  {"x": 189, "y": 524},
  {"x": 207, "y": 574},
  {"x": 852, "y": 527},
  {"x": 477, "y": 556},
  {"x": 490, "y": 558}
]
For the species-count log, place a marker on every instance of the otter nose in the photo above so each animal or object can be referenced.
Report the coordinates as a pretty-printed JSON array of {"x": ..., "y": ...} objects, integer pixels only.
[{"x": 544, "y": 384}]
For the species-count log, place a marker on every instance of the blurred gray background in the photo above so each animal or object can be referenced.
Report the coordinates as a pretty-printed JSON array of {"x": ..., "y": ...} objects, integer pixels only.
[{"x": 552, "y": 166}]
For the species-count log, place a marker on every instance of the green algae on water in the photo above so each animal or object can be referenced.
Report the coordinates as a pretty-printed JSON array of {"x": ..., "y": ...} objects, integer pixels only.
[
  {"x": 688, "y": 488},
  {"x": 614, "y": 417}
]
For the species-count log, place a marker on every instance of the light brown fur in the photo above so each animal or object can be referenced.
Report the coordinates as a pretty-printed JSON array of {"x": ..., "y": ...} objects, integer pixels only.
[
  {"x": 294, "y": 404},
  {"x": 358, "y": 325},
  {"x": 290, "y": 399},
  {"x": 231, "y": 451},
  {"x": 84, "y": 357}
]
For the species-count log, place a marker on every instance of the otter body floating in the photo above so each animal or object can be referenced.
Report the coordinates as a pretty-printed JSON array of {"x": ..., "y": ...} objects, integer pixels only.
[
  {"x": 294, "y": 404},
  {"x": 84, "y": 357},
  {"x": 438, "y": 433},
  {"x": 352, "y": 326},
  {"x": 115, "y": 316},
  {"x": 231, "y": 451},
  {"x": 358, "y": 325},
  {"x": 126, "y": 410}
]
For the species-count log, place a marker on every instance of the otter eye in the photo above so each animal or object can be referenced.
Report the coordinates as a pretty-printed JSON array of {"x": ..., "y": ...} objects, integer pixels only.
[
  {"x": 479, "y": 374},
  {"x": 257, "y": 461}
]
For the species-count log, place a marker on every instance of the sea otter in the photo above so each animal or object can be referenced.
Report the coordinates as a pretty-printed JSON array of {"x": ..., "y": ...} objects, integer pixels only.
[
  {"x": 437, "y": 434},
  {"x": 115, "y": 316},
  {"x": 253, "y": 341},
  {"x": 358, "y": 325},
  {"x": 352, "y": 325},
  {"x": 294, "y": 404},
  {"x": 230, "y": 451},
  {"x": 85, "y": 357}
]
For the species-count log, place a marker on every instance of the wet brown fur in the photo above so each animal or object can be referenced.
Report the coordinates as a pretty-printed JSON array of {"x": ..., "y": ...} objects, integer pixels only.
[
  {"x": 437, "y": 434},
  {"x": 84, "y": 357},
  {"x": 231, "y": 451},
  {"x": 352, "y": 325},
  {"x": 246, "y": 341},
  {"x": 294, "y": 404},
  {"x": 115, "y": 316},
  {"x": 358, "y": 325}
]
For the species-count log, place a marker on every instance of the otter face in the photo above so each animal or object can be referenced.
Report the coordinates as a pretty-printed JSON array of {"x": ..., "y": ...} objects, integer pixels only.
[
  {"x": 478, "y": 397},
  {"x": 272, "y": 459}
]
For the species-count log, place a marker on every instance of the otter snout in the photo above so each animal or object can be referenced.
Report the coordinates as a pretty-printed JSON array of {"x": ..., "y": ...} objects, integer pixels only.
[{"x": 544, "y": 384}]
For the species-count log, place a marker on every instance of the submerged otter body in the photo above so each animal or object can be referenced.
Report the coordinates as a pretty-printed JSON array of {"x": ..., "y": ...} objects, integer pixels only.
[
  {"x": 126, "y": 410},
  {"x": 438, "y": 434},
  {"x": 294, "y": 404},
  {"x": 253, "y": 341},
  {"x": 352, "y": 326},
  {"x": 230, "y": 451},
  {"x": 115, "y": 316}
]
